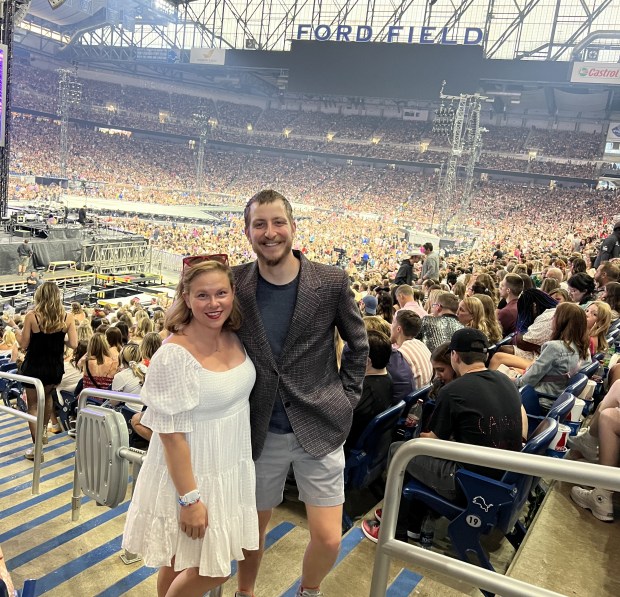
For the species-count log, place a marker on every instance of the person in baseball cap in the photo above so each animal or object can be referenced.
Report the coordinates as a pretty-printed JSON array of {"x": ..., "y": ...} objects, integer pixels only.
[
  {"x": 469, "y": 340},
  {"x": 369, "y": 303}
]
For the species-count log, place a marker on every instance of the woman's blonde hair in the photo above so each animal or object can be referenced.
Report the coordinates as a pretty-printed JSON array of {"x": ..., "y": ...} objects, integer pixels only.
[
  {"x": 130, "y": 356},
  {"x": 600, "y": 329},
  {"x": 139, "y": 315},
  {"x": 179, "y": 315},
  {"x": 76, "y": 308},
  {"x": 145, "y": 326},
  {"x": 495, "y": 333},
  {"x": 8, "y": 337},
  {"x": 98, "y": 348},
  {"x": 476, "y": 308},
  {"x": 152, "y": 341},
  {"x": 377, "y": 324},
  {"x": 48, "y": 306},
  {"x": 85, "y": 331}
]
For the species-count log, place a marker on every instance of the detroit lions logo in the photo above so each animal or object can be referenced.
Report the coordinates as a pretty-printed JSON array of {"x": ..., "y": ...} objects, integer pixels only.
[{"x": 479, "y": 501}]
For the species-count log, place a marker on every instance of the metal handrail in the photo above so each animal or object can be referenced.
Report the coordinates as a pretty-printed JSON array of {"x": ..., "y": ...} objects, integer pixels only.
[
  {"x": 539, "y": 466},
  {"x": 136, "y": 457},
  {"x": 38, "y": 421}
]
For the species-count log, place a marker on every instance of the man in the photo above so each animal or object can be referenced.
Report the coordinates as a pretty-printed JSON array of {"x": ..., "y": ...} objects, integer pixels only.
[
  {"x": 407, "y": 325},
  {"x": 301, "y": 405},
  {"x": 430, "y": 267},
  {"x": 33, "y": 281},
  {"x": 405, "y": 300},
  {"x": 24, "y": 253},
  {"x": 82, "y": 215},
  {"x": 443, "y": 322},
  {"x": 606, "y": 272},
  {"x": 510, "y": 288},
  {"x": 480, "y": 407},
  {"x": 610, "y": 247},
  {"x": 405, "y": 274}
]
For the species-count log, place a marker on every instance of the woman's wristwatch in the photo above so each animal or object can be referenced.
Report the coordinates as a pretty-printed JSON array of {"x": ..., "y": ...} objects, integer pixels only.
[{"x": 189, "y": 498}]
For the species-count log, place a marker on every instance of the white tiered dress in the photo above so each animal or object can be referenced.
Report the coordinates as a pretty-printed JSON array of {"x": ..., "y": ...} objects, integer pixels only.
[{"x": 212, "y": 409}]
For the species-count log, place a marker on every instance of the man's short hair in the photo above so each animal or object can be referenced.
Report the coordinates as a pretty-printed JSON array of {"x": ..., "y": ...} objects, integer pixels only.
[
  {"x": 611, "y": 270},
  {"x": 410, "y": 322},
  {"x": 428, "y": 247},
  {"x": 404, "y": 289},
  {"x": 448, "y": 301},
  {"x": 380, "y": 349},
  {"x": 267, "y": 196},
  {"x": 514, "y": 282}
]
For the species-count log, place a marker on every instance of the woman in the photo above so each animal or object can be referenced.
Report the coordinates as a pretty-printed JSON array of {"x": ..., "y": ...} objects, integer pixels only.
[
  {"x": 98, "y": 366},
  {"x": 385, "y": 306},
  {"x": 85, "y": 331},
  {"x": 143, "y": 327},
  {"x": 560, "y": 295},
  {"x": 115, "y": 341},
  {"x": 197, "y": 392},
  {"x": 8, "y": 346},
  {"x": 549, "y": 285},
  {"x": 131, "y": 373},
  {"x": 43, "y": 339},
  {"x": 490, "y": 315},
  {"x": 78, "y": 313},
  {"x": 563, "y": 356},
  {"x": 598, "y": 316},
  {"x": 471, "y": 314},
  {"x": 443, "y": 373},
  {"x": 581, "y": 289}
]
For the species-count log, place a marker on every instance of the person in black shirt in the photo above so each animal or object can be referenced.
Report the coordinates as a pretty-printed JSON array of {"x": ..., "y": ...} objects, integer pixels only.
[
  {"x": 377, "y": 388},
  {"x": 82, "y": 215}
]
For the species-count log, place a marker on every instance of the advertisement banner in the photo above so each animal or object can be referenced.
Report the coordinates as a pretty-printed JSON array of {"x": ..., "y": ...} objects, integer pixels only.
[
  {"x": 613, "y": 134},
  {"x": 414, "y": 114},
  {"x": 603, "y": 73},
  {"x": 215, "y": 56}
]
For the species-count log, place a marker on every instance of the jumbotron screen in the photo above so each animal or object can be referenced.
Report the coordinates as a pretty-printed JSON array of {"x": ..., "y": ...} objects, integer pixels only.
[{"x": 394, "y": 70}]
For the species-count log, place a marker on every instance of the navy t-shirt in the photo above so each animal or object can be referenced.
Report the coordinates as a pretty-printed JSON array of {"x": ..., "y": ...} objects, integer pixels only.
[{"x": 276, "y": 305}]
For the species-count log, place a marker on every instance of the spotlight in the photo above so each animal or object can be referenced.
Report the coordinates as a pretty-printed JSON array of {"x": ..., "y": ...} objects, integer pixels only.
[{"x": 56, "y": 3}]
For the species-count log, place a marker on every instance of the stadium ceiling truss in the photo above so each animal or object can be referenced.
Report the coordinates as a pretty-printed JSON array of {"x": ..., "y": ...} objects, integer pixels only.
[{"x": 513, "y": 29}]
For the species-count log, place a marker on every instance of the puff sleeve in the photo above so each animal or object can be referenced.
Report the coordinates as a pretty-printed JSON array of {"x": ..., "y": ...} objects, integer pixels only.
[{"x": 171, "y": 390}]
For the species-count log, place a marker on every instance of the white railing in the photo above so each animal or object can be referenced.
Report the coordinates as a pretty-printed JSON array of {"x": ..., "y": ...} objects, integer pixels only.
[
  {"x": 388, "y": 547},
  {"x": 36, "y": 420}
]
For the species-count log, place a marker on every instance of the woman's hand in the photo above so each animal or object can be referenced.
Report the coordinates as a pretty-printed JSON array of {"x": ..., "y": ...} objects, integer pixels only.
[{"x": 194, "y": 520}]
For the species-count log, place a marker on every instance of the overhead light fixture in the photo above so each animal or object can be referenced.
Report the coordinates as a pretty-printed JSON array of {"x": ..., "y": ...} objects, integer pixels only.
[{"x": 56, "y": 3}]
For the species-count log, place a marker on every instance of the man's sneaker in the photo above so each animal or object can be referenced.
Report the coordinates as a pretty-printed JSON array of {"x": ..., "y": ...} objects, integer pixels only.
[
  {"x": 301, "y": 592},
  {"x": 29, "y": 454},
  {"x": 586, "y": 444},
  {"x": 413, "y": 536},
  {"x": 598, "y": 501},
  {"x": 243, "y": 594},
  {"x": 370, "y": 528},
  {"x": 379, "y": 514}
]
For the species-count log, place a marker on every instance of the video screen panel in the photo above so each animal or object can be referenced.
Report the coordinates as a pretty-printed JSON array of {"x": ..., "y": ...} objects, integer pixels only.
[{"x": 388, "y": 70}]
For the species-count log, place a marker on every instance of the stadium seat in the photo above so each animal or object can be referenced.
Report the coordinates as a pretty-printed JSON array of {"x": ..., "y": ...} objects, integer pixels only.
[
  {"x": 401, "y": 431},
  {"x": 488, "y": 503},
  {"x": 592, "y": 368},
  {"x": 559, "y": 411},
  {"x": 576, "y": 384},
  {"x": 368, "y": 458},
  {"x": 503, "y": 342}
]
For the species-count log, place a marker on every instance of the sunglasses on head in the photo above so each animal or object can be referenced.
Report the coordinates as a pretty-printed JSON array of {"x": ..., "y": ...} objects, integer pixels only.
[{"x": 196, "y": 259}]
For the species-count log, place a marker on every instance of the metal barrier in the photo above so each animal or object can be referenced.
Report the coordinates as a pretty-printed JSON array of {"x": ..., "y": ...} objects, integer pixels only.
[
  {"x": 540, "y": 466},
  {"x": 125, "y": 453},
  {"x": 38, "y": 421}
]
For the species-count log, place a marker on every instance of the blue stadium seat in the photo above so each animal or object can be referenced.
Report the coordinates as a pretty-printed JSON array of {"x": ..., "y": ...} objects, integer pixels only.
[
  {"x": 503, "y": 342},
  {"x": 559, "y": 411},
  {"x": 403, "y": 433},
  {"x": 489, "y": 504},
  {"x": 592, "y": 368},
  {"x": 368, "y": 458}
]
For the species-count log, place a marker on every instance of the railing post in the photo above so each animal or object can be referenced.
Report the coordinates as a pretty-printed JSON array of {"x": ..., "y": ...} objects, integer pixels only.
[
  {"x": 388, "y": 547},
  {"x": 38, "y": 421}
]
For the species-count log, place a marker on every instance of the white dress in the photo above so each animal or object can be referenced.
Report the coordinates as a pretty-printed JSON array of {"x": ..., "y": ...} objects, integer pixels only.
[{"x": 212, "y": 409}]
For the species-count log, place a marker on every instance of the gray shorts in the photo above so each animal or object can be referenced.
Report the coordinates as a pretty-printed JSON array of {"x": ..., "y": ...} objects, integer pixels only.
[
  {"x": 320, "y": 480},
  {"x": 23, "y": 261}
]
